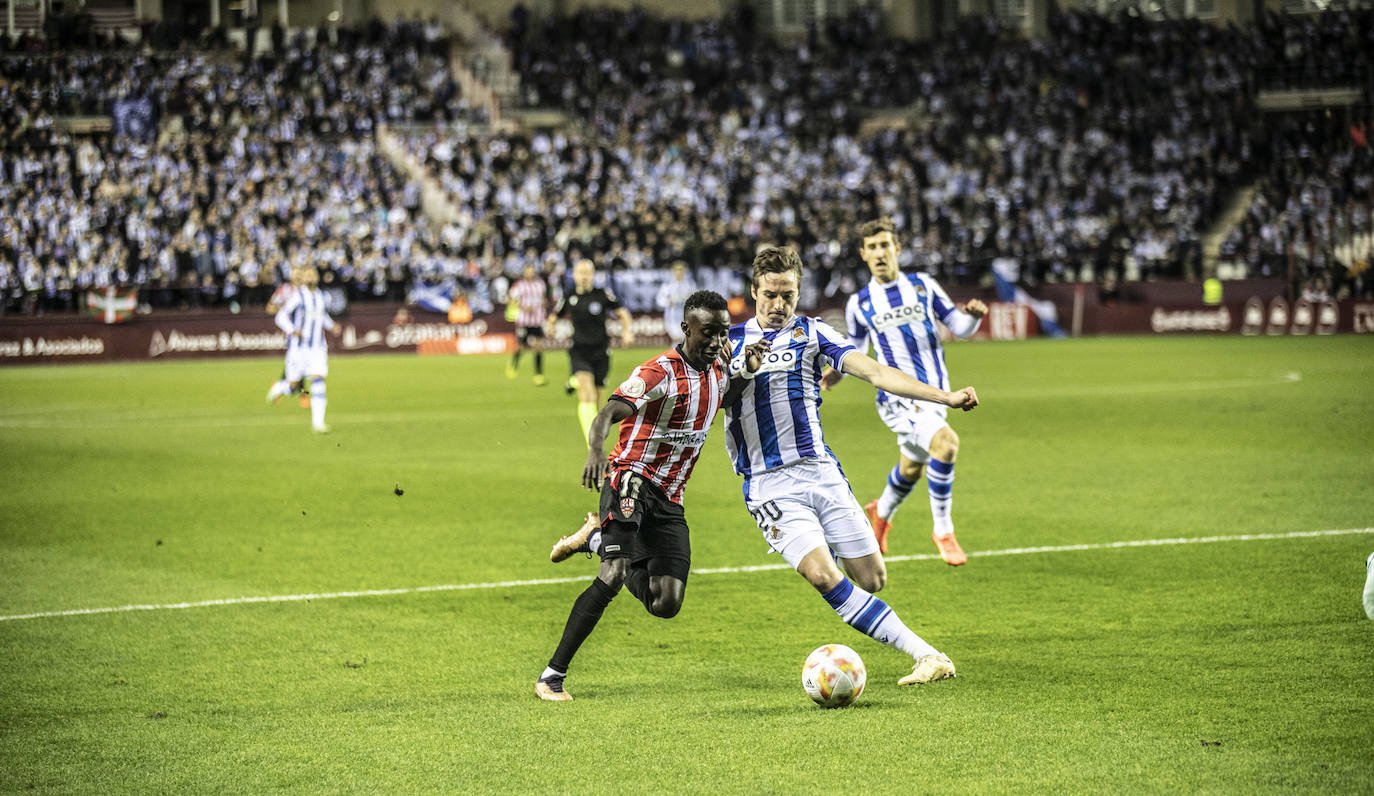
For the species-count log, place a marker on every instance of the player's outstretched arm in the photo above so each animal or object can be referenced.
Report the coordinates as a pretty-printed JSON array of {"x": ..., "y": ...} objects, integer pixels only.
[
  {"x": 899, "y": 383},
  {"x": 594, "y": 471}
]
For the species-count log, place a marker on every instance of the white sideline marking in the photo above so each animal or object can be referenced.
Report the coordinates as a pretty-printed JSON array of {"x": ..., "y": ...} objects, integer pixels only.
[{"x": 501, "y": 584}]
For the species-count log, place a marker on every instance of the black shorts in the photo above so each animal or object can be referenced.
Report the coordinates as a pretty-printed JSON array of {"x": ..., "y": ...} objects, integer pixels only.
[
  {"x": 526, "y": 333},
  {"x": 640, "y": 523},
  {"x": 596, "y": 361}
]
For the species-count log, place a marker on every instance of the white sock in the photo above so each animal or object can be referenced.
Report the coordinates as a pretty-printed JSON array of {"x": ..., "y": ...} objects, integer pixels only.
[
  {"x": 594, "y": 541},
  {"x": 1369, "y": 586},
  {"x": 870, "y": 615},
  {"x": 279, "y": 389},
  {"x": 549, "y": 671},
  {"x": 317, "y": 402},
  {"x": 940, "y": 480}
]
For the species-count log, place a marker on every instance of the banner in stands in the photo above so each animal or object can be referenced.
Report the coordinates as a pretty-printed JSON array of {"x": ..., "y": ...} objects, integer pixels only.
[
  {"x": 1254, "y": 316},
  {"x": 389, "y": 328},
  {"x": 366, "y": 329}
]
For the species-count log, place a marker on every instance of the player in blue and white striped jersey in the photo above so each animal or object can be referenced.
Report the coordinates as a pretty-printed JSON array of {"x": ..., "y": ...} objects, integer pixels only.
[
  {"x": 305, "y": 320},
  {"x": 793, "y": 485},
  {"x": 896, "y": 312}
]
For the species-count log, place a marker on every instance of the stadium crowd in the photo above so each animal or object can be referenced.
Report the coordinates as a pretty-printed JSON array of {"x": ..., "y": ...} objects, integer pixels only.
[
  {"x": 1102, "y": 150},
  {"x": 258, "y": 163},
  {"x": 1311, "y": 219}
]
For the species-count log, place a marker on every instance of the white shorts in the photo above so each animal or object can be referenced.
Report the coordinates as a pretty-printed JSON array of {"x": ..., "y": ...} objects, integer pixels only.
[
  {"x": 915, "y": 423},
  {"x": 304, "y": 362},
  {"x": 807, "y": 505}
]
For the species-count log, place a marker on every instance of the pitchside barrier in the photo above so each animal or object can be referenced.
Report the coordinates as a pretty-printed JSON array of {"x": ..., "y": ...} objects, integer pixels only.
[{"x": 379, "y": 328}]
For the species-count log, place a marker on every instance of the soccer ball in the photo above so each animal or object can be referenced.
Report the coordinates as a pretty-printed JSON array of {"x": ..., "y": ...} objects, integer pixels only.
[{"x": 833, "y": 676}]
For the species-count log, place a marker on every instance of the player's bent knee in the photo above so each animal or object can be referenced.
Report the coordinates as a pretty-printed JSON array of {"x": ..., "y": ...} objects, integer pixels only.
[
  {"x": 666, "y": 608},
  {"x": 872, "y": 582},
  {"x": 945, "y": 445},
  {"x": 819, "y": 570}
]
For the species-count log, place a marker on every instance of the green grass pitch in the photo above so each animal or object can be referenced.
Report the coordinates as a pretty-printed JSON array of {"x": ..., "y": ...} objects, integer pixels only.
[{"x": 1227, "y": 666}]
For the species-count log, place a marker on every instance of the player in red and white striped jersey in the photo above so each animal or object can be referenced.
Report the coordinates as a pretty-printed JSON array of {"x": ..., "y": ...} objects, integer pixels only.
[
  {"x": 672, "y": 405},
  {"x": 664, "y": 409},
  {"x": 527, "y": 308}
]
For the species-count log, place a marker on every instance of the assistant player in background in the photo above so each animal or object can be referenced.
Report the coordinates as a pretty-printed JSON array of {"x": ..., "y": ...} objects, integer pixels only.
[
  {"x": 590, "y": 354},
  {"x": 530, "y": 298},
  {"x": 793, "y": 485},
  {"x": 664, "y": 409},
  {"x": 305, "y": 320},
  {"x": 896, "y": 312}
]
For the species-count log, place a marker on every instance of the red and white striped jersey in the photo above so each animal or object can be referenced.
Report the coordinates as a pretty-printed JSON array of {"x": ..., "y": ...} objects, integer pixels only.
[
  {"x": 674, "y": 405},
  {"x": 530, "y": 296}
]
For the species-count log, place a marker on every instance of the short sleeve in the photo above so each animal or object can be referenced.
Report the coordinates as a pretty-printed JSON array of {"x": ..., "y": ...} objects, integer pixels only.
[
  {"x": 855, "y": 326},
  {"x": 647, "y": 383},
  {"x": 833, "y": 345},
  {"x": 940, "y": 301}
]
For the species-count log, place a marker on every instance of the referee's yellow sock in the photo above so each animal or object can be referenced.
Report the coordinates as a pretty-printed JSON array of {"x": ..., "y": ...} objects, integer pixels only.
[{"x": 586, "y": 413}]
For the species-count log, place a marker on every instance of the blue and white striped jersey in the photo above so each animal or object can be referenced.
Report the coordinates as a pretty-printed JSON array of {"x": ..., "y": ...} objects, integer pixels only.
[
  {"x": 776, "y": 422},
  {"x": 898, "y": 318},
  {"x": 305, "y": 312}
]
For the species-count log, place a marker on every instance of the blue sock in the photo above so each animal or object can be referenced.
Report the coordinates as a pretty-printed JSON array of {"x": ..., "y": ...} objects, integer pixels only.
[
  {"x": 894, "y": 493},
  {"x": 872, "y": 617}
]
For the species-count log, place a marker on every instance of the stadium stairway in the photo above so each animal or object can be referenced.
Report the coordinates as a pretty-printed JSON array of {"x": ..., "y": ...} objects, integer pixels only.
[{"x": 1227, "y": 221}]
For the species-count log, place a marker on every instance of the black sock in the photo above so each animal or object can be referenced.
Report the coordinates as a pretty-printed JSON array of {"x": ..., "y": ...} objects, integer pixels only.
[
  {"x": 515, "y": 359},
  {"x": 539, "y": 363},
  {"x": 586, "y": 612}
]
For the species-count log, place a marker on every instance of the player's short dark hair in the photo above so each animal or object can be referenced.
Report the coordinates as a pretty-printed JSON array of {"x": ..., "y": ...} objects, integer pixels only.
[
  {"x": 777, "y": 260},
  {"x": 870, "y": 228},
  {"x": 705, "y": 300}
]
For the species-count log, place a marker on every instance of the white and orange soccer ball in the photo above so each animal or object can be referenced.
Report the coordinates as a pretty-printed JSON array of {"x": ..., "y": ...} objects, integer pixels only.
[{"x": 834, "y": 675}]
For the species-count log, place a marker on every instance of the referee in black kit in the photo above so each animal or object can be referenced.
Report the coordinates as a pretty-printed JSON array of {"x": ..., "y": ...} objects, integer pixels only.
[{"x": 590, "y": 355}]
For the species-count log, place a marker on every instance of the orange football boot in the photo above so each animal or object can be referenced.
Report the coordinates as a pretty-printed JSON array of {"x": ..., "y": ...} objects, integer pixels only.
[{"x": 949, "y": 549}]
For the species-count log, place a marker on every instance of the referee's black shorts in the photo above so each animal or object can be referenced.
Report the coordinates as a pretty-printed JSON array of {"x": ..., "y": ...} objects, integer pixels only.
[
  {"x": 596, "y": 361},
  {"x": 640, "y": 523}
]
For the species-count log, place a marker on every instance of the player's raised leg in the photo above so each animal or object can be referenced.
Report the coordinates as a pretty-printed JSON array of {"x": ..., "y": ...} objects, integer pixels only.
[
  {"x": 586, "y": 539},
  {"x": 900, "y": 481},
  {"x": 278, "y": 390}
]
